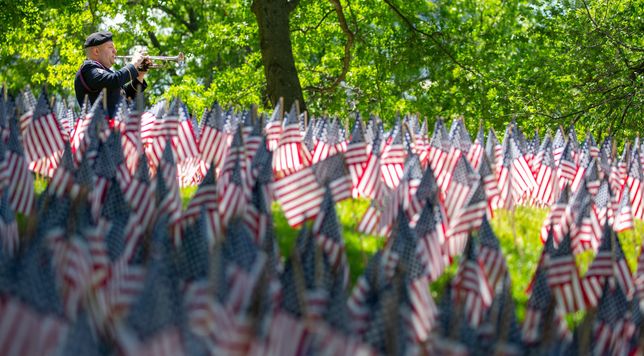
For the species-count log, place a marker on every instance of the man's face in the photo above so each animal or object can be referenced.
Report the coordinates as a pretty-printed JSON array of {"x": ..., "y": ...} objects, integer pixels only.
[{"x": 106, "y": 54}]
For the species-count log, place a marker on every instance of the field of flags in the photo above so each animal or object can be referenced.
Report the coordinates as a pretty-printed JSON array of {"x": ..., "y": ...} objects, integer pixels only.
[{"x": 110, "y": 262}]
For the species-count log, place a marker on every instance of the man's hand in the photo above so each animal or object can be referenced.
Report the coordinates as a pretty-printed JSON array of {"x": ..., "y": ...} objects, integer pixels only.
[{"x": 137, "y": 59}]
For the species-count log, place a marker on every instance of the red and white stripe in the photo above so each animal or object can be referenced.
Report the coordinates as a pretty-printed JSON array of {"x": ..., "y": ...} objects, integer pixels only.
[
  {"x": 465, "y": 220},
  {"x": 547, "y": 186},
  {"x": 369, "y": 184},
  {"x": 623, "y": 215},
  {"x": 42, "y": 138},
  {"x": 287, "y": 158},
  {"x": 636, "y": 191},
  {"x": 300, "y": 196},
  {"x": 392, "y": 164},
  {"x": 21, "y": 184},
  {"x": 24, "y": 331},
  {"x": 564, "y": 281},
  {"x": 472, "y": 291}
]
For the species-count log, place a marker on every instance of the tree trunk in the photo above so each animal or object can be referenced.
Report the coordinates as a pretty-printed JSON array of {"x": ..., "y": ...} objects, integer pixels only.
[{"x": 277, "y": 51}]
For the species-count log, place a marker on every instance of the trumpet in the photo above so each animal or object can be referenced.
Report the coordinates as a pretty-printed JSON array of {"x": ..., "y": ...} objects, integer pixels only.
[{"x": 148, "y": 61}]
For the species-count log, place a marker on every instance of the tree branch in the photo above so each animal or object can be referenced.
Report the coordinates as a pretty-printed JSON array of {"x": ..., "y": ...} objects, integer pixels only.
[
  {"x": 190, "y": 26},
  {"x": 313, "y": 28},
  {"x": 155, "y": 40},
  {"x": 431, "y": 36},
  {"x": 580, "y": 111},
  {"x": 608, "y": 35},
  {"x": 346, "y": 61}
]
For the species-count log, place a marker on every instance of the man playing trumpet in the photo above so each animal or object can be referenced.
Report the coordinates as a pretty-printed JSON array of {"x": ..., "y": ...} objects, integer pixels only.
[{"x": 95, "y": 74}]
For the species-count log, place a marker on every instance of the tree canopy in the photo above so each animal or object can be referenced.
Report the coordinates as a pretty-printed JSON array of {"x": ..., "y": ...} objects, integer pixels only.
[{"x": 545, "y": 63}]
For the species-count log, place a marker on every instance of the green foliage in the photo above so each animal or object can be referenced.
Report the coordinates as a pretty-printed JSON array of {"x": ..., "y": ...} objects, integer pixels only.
[{"x": 546, "y": 63}]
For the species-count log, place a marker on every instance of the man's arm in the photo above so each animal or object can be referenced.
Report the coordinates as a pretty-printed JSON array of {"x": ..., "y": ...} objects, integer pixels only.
[{"x": 98, "y": 78}]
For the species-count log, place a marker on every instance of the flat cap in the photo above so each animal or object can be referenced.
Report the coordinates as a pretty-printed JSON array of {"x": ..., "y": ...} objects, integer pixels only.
[{"x": 98, "y": 38}]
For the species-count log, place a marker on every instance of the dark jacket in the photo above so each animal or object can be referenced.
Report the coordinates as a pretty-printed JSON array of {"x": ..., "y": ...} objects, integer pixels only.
[{"x": 92, "y": 77}]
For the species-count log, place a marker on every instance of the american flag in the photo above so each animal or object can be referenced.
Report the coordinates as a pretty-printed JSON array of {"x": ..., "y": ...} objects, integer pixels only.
[
  {"x": 204, "y": 202},
  {"x": 167, "y": 192},
  {"x": 558, "y": 144},
  {"x": 26, "y": 104},
  {"x": 357, "y": 155},
  {"x": 494, "y": 151},
  {"x": 273, "y": 127},
  {"x": 244, "y": 266},
  {"x": 608, "y": 263},
  {"x": 567, "y": 168},
  {"x": 460, "y": 186},
  {"x": 471, "y": 288},
  {"x": 258, "y": 212},
  {"x": 431, "y": 229},
  {"x": 421, "y": 145},
  {"x": 531, "y": 150},
  {"x": 491, "y": 256},
  {"x": 29, "y": 332},
  {"x": 214, "y": 141},
  {"x": 610, "y": 334},
  {"x": 288, "y": 155},
  {"x": 584, "y": 167},
  {"x": 234, "y": 185},
  {"x": 623, "y": 215},
  {"x": 21, "y": 182},
  {"x": 403, "y": 197},
  {"x": 515, "y": 178},
  {"x": 477, "y": 149},
  {"x": 370, "y": 184},
  {"x": 193, "y": 255},
  {"x": 466, "y": 219},
  {"x": 42, "y": 136},
  {"x": 326, "y": 231},
  {"x": 557, "y": 210},
  {"x": 635, "y": 187},
  {"x": 439, "y": 147},
  {"x": 186, "y": 149},
  {"x": 163, "y": 131},
  {"x": 301, "y": 193},
  {"x": 4, "y": 172},
  {"x": 10, "y": 239},
  {"x": 563, "y": 278},
  {"x": 547, "y": 190},
  {"x": 459, "y": 136},
  {"x": 393, "y": 159},
  {"x": 158, "y": 307},
  {"x": 330, "y": 142},
  {"x": 488, "y": 179},
  {"x": 105, "y": 173},
  {"x": 254, "y": 139},
  {"x": 602, "y": 209},
  {"x": 140, "y": 194},
  {"x": 422, "y": 309},
  {"x": 84, "y": 140},
  {"x": 543, "y": 315}
]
